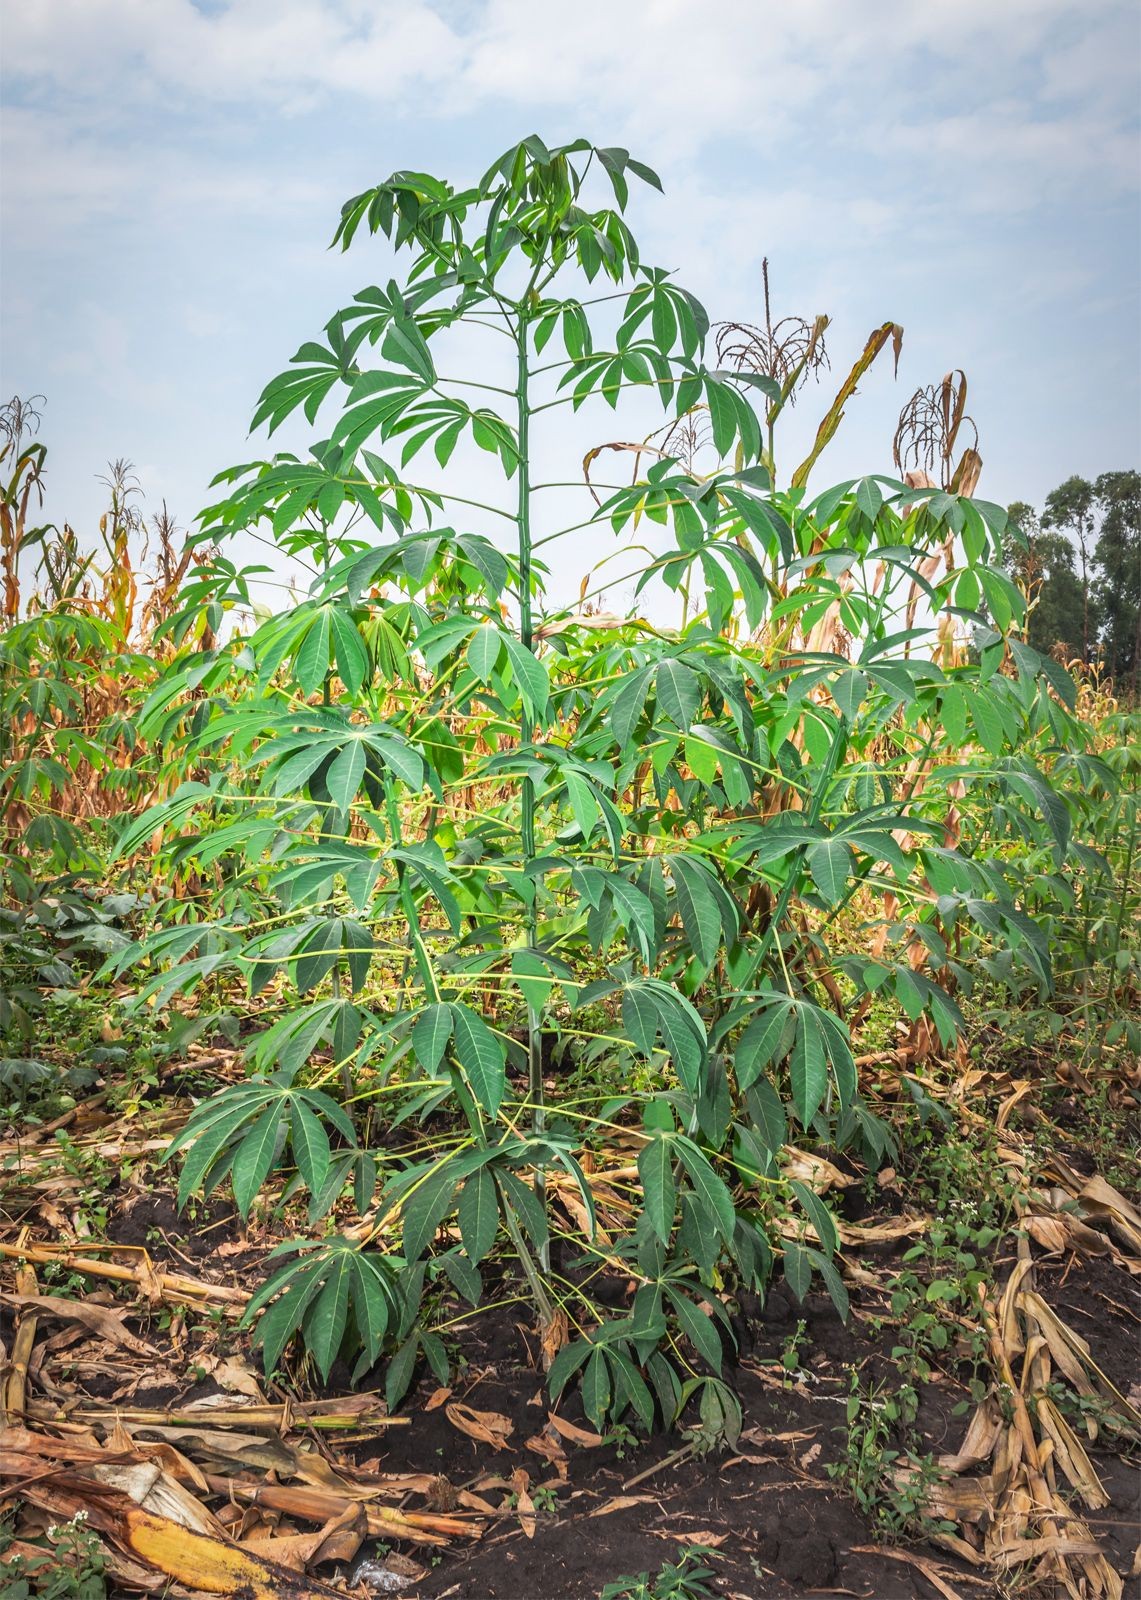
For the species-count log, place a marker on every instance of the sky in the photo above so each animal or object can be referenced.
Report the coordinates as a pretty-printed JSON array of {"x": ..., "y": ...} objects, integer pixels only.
[{"x": 173, "y": 171}]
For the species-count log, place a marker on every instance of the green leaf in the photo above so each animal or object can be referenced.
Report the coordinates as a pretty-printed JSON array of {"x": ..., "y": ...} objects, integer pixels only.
[
  {"x": 372, "y": 1308},
  {"x": 627, "y": 706},
  {"x": 797, "y": 1269},
  {"x": 310, "y": 1145},
  {"x": 430, "y": 1035},
  {"x": 255, "y": 1156},
  {"x": 478, "y": 1214},
  {"x": 521, "y": 1198},
  {"x": 819, "y": 1216},
  {"x": 425, "y": 1209},
  {"x": 325, "y": 1324},
  {"x": 350, "y": 650},
  {"x": 833, "y": 1281},
  {"x": 808, "y": 1068},
  {"x": 343, "y": 779},
  {"x": 405, "y": 344},
  {"x": 698, "y": 1328},
  {"x": 708, "y": 1187},
  {"x": 763, "y": 1042},
  {"x": 640, "y": 1019},
  {"x": 530, "y": 676},
  {"x": 483, "y": 652},
  {"x": 565, "y": 1365},
  {"x": 678, "y": 691},
  {"x": 655, "y": 1168},
  {"x": 278, "y": 1325},
  {"x": 481, "y": 1055},
  {"x": 596, "y": 1390},
  {"x": 830, "y": 863},
  {"x": 312, "y": 660},
  {"x": 697, "y": 901}
]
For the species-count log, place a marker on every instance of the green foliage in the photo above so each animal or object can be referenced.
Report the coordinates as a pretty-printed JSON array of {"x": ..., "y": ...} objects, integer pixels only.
[
  {"x": 683, "y": 1579},
  {"x": 1080, "y": 566},
  {"x": 73, "y": 1565},
  {"x": 459, "y": 829},
  {"x": 890, "y": 1487}
]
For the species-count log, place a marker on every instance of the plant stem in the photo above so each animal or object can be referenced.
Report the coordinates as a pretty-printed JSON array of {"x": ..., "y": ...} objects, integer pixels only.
[{"x": 526, "y": 732}]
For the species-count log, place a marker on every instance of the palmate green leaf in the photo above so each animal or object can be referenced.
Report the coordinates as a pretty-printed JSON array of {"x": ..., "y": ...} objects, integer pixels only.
[
  {"x": 678, "y": 690},
  {"x": 797, "y": 1269},
  {"x": 708, "y": 1187},
  {"x": 697, "y": 1327},
  {"x": 328, "y": 1317},
  {"x": 225, "y": 1109},
  {"x": 596, "y": 1388},
  {"x": 530, "y": 676},
  {"x": 808, "y": 1066},
  {"x": 655, "y": 1168},
  {"x": 767, "y": 1039},
  {"x": 479, "y": 1214},
  {"x": 426, "y": 1207},
  {"x": 482, "y": 1056},
  {"x": 300, "y": 1286},
  {"x": 819, "y": 1216},
  {"x": 830, "y": 862},
  {"x": 211, "y": 1143},
  {"x": 431, "y": 1033},
  {"x": 255, "y": 1156},
  {"x": 310, "y": 1144}
]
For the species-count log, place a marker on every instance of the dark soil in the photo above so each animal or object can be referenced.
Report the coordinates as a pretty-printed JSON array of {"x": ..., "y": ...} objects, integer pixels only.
[
  {"x": 777, "y": 1524},
  {"x": 153, "y": 1222}
]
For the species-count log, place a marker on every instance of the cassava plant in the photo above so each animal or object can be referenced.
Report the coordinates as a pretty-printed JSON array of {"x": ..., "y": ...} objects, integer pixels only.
[{"x": 472, "y": 840}]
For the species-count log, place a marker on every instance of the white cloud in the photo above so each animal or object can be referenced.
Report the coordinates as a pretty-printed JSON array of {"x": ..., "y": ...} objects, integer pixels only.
[
  {"x": 246, "y": 48},
  {"x": 176, "y": 167}
]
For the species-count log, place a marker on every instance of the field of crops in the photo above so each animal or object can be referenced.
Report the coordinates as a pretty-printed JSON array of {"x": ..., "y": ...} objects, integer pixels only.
[{"x": 505, "y": 1096}]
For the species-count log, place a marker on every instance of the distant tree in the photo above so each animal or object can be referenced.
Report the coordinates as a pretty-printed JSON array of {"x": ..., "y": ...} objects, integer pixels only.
[
  {"x": 1117, "y": 588},
  {"x": 1070, "y": 507},
  {"x": 1042, "y": 561}
]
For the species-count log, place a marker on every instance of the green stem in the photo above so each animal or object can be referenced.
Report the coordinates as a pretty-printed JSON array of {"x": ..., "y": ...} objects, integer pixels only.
[{"x": 526, "y": 733}]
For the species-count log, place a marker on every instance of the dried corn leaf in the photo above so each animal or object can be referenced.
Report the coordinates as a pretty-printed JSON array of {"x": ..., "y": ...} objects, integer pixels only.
[
  {"x": 102, "y": 1320},
  {"x": 488, "y": 1427},
  {"x": 1069, "y": 1454}
]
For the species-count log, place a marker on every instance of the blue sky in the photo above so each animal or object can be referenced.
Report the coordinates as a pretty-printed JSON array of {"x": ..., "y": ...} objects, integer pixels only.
[{"x": 173, "y": 172}]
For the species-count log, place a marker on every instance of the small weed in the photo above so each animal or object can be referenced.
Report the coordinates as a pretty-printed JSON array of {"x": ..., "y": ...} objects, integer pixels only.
[
  {"x": 790, "y": 1353},
  {"x": 684, "y": 1579},
  {"x": 890, "y": 1486},
  {"x": 623, "y": 1438},
  {"x": 72, "y": 1568}
]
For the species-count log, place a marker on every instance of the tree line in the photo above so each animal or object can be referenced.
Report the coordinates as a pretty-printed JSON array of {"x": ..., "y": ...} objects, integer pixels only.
[{"x": 1079, "y": 561}]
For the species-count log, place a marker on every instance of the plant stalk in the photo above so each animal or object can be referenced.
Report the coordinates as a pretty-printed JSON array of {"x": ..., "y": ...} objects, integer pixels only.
[{"x": 526, "y": 733}]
